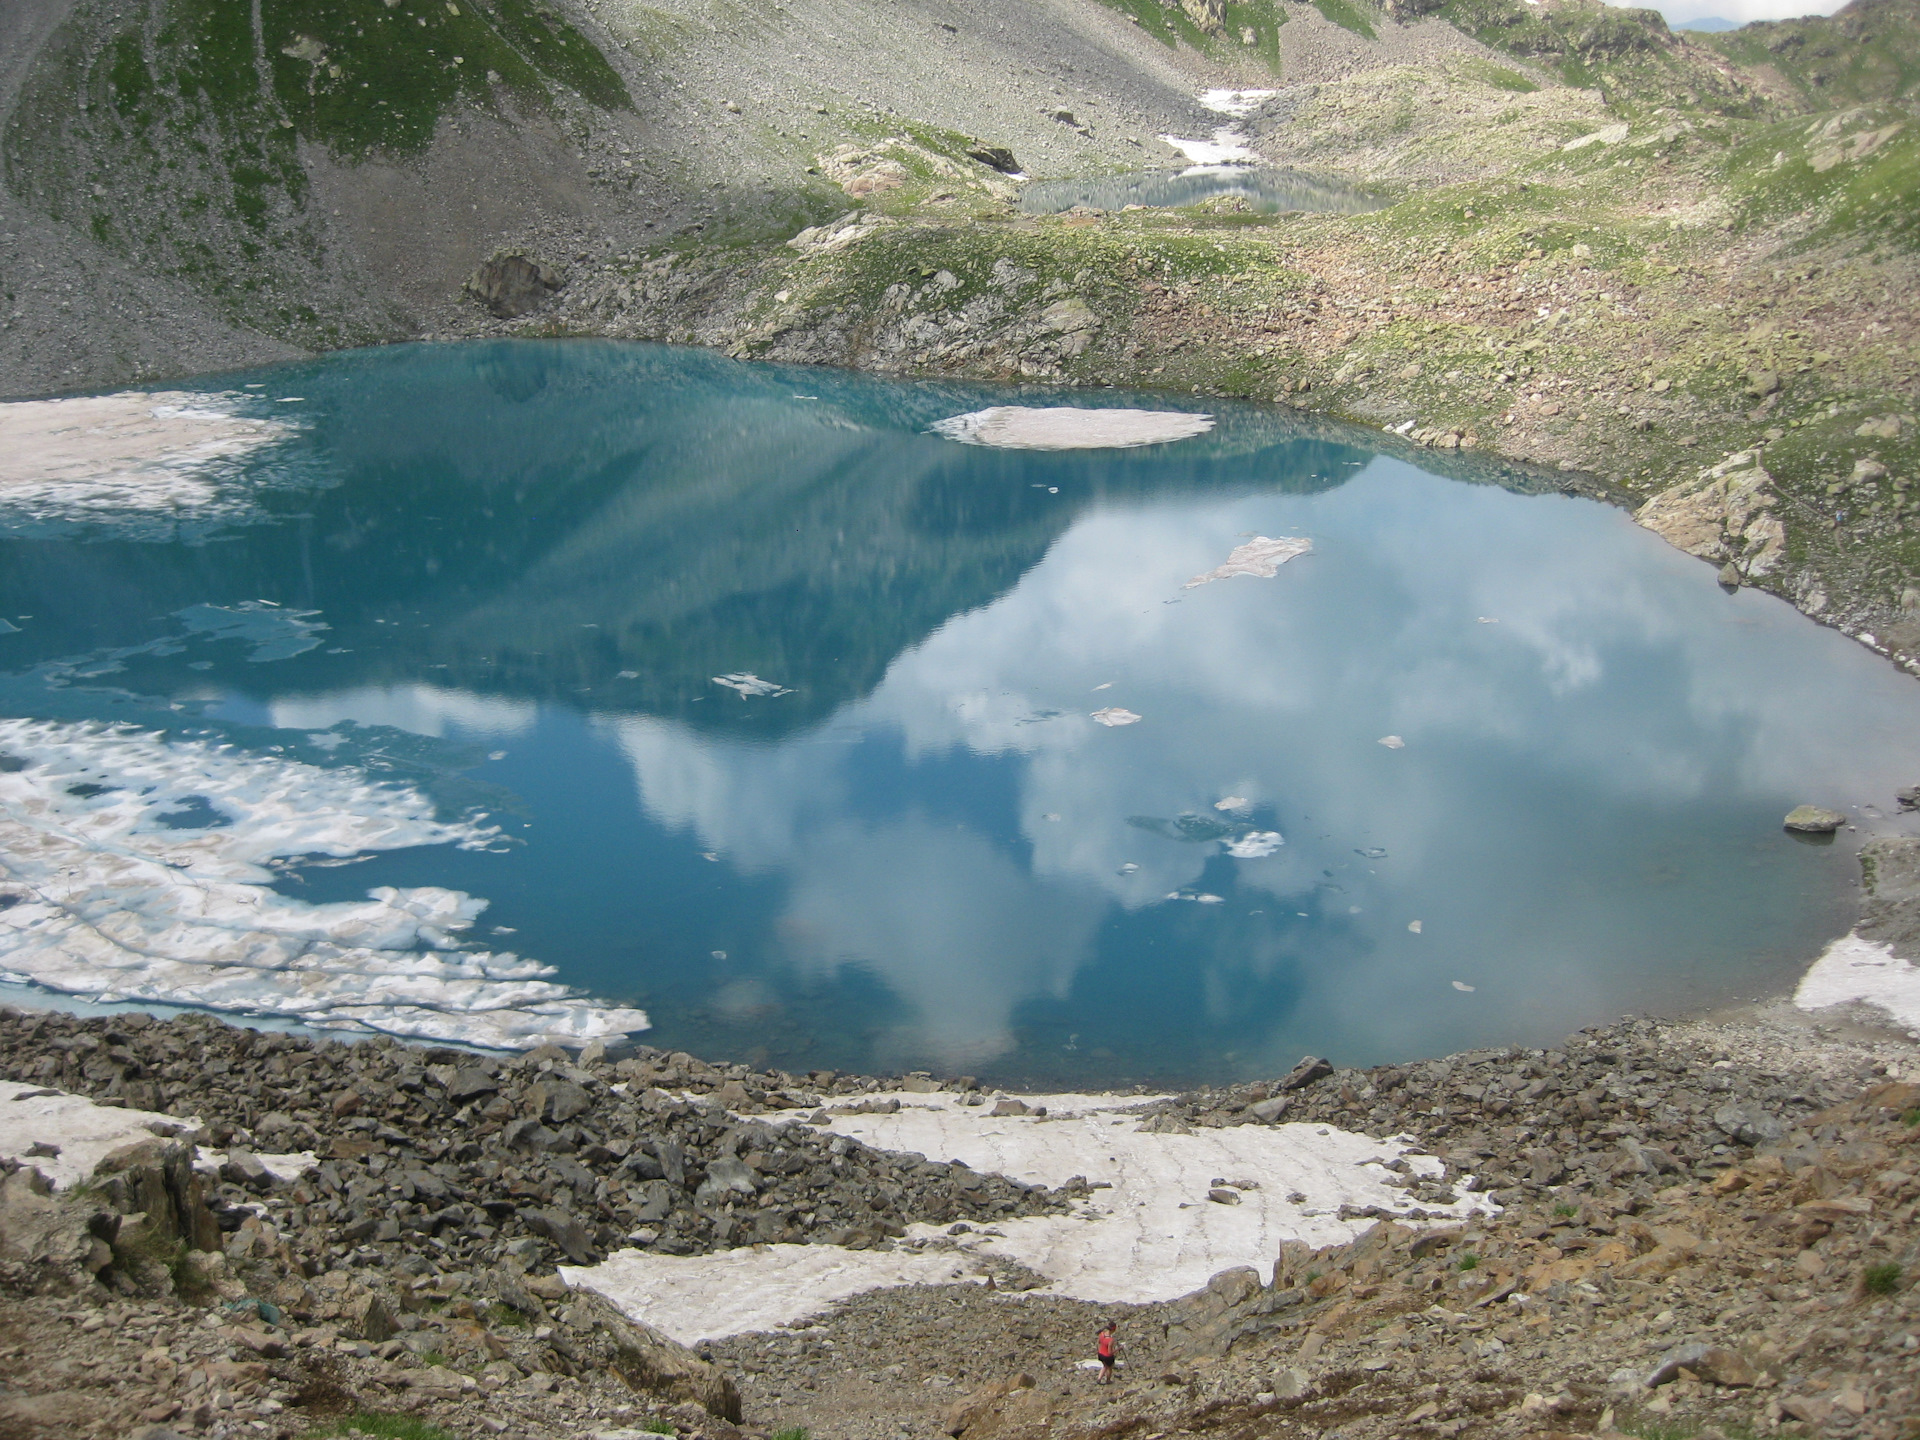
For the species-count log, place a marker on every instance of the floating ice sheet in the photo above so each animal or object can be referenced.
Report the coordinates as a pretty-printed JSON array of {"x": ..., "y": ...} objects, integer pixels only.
[
  {"x": 1114, "y": 715},
  {"x": 1153, "y": 1236},
  {"x": 1260, "y": 557},
  {"x": 1071, "y": 427},
  {"x": 750, "y": 685},
  {"x": 129, "y": 458},
  {"x": 1853, "y": 969},
  {"x": 275, "y": 633},
  {"x": 109, "y": 896}
]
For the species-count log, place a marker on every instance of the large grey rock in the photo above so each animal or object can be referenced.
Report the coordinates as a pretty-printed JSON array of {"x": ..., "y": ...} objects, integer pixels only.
[
  {"x": 565, "y": 1231},
  {"x": 726, "y": 1174},
  {"x": 1716, "y": 1364},
  {"x": 1232, "y": 1304},
  {"x": 1814, "y": 820},
  {"x": 1310, "y": 1069},
  {"x": 60, "y": 1237},
  {"x": 558, "y": 1100},
  {"x": 512, "y": 285},
  {"x": 1749, "y": 1124},
  {"x": 654, "y": 1364}
]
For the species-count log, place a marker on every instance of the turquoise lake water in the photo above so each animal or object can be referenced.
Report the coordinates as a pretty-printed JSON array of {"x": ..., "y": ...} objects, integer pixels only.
[{"x": 506, "y": 576}]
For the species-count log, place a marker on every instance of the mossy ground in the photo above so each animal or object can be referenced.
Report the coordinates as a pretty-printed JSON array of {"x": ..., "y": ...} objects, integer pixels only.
[{"x": 1635, "y": 308}]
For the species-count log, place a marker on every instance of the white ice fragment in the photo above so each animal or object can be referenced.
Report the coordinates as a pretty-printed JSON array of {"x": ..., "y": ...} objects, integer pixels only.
[
  {"x": 1200, "y": 898},
  {"x": 1414, "y": 926},
  {"x": 112, "y": 902},
  {"x": 1233, "y": 802},
  {"x": 1255, "y": 845},
  {"x": 1855, "y": 969},
  {"x": 1106, "y": 685},
  {"x": 1463, "y": 986},
  {"x": 1393, "y": 742},
  {"x": 750, "y": 685},
  {"x": 1486, "y": 619},
  {"x": 1259, "y": 557},
  {"x": 1114, "y": 715},
  {"x": 1071, "y": 427}
]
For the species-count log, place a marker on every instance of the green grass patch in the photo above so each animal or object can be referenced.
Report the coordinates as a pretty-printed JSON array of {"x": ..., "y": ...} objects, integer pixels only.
[
  {"x": 386, "y": 1427},
  {"x": 1468, "y": 1261},
  {"x": 1911, "y": 1117},
  {"x": 1348, "y": 16},
  {"x": 796, "y": 1432},
  {"x": 1882, "y": 1278},
  {"x": 657, "y": 1426}
]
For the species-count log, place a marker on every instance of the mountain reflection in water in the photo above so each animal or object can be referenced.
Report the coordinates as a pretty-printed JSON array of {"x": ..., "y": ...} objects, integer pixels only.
[{"x": 532, "y": 560}]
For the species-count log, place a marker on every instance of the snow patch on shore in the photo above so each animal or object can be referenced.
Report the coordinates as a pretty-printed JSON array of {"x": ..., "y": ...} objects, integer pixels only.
[
  {"x": 84, "y": 1133},
  {"x": 1855, "y": 970},
  {"x": 134, "y": 867},
  {"x": 1153, "y": 1235},
  {"x": 1070, "y": 427}
]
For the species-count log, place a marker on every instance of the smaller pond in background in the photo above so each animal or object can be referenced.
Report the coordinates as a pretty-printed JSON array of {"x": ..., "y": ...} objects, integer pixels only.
[{"x": 1266, "y": 191}]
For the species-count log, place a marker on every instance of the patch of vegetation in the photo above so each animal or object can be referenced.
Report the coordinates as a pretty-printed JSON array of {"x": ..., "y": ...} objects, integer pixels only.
[
  {"x": 498, "y": 1315},
  {"x": 1881, "y": 1278},
  {"x": 1347, "y": 15},
  {"x": 657, "y": 1426},
  {"x": 1213, "y": 26},
  {"x": 796, "y": 1432},
  {"x": 1468, "y": 1261},
  {"x": 1911, "y": 1117},
  {"x": 386, "y": 1426}
]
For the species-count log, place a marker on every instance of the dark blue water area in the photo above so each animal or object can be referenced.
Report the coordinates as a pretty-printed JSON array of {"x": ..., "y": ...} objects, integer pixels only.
[{"x": 533, "y": 559}]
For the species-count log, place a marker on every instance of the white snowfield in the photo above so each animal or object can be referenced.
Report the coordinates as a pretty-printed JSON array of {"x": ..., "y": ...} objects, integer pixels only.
[
  {"x": 1853, "y": 969},
  {"x": 1071, "y": 427},
  {"x": 1155, "y": 1235},
  {"x": 111, "y": 902},
  {"x": 83, "y": 1132},
  {"x": 92, "y": 457}
]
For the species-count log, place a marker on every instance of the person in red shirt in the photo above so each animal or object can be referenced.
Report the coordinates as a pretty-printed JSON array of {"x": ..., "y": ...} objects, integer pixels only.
[{"x": 1105, "y": 1347}]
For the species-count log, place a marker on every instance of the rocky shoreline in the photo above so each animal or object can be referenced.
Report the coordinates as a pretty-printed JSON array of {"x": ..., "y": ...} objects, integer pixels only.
[{"x": 1742, "y": 1186}]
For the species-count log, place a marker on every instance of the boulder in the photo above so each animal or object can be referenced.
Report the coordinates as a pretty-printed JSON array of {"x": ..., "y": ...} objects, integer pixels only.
[
  {"x": 1814, "y": 820},
  {"x": 1310, "y": 1069},
  {"x": 995, "y": 157},
  {"x": 970, "y": 1411},
  {"x": 653, "y": 1364},
  {"x": 1715, "y": 1364},
  {"x": 512, "y": 285},
  {"x": 564, "y": 1230},
  {"x": 1749, "y": 1124},
  {"x": 63, "y": 1239},
  {"x": 1725, "y": 514}
]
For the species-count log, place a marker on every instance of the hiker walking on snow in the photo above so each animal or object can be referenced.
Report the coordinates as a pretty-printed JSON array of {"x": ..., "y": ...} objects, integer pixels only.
[{"x": 1105, "y": 1347}]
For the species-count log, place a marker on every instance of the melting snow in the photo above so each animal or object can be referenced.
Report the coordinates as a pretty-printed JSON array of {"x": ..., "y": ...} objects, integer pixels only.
[
  {"x": 1255, "y": 845},
  {"x": 112, "y": 902},
  {"x": 1152, "y": 1236},
  {"x": 1114, "y": 715},
  {"x": 750, "y": 685},
  {"x": 1260, "y": 557},
  {"x": 1237, "y": 103},
  {"x": 1069, "y": 427},
  {"x": 1853, "y": 969}
]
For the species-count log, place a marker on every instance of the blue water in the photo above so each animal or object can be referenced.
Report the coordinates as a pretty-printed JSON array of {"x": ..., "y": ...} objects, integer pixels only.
[{"x": 532, "y": 559}]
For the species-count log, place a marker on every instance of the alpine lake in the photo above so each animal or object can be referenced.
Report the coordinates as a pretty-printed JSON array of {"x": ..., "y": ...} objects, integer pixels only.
[{"x": 745, "y": 697}]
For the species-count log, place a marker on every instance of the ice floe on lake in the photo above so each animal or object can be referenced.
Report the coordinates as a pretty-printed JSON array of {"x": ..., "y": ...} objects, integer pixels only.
[
  {"x": 1114, "y": 715},
  {"x": 1854, "y": 969},
  {"x": 1255, "y": 845},
  {"x": 750, "y": 685},
  {"x": 1071, "y": 427},
  {"x": 1260, "y": 557},
  {"x": 134, "y": 867},
  {"x": 1154, "y": 1235},
  {"x": 130, "y": 459}
]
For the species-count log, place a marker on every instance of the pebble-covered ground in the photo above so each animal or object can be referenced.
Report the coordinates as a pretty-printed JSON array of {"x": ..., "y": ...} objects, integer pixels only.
[{"x": 1749, "y": 1188}]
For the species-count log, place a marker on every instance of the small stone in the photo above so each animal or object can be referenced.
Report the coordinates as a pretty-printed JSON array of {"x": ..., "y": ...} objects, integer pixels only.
[
  {"x": 1715, "y": 1364},
  {"x": 1814, "y": 820}
]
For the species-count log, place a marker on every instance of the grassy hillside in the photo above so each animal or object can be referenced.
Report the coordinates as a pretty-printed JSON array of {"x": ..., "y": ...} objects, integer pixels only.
[{"x": 1868, "y": 52}]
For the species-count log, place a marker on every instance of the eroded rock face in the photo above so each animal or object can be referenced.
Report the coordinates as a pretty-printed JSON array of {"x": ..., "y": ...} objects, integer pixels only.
[
  {"x": 650, "y": 1362},
  {"x": 512, "y": 285},
  {"x": 1724, "y": 515}
]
